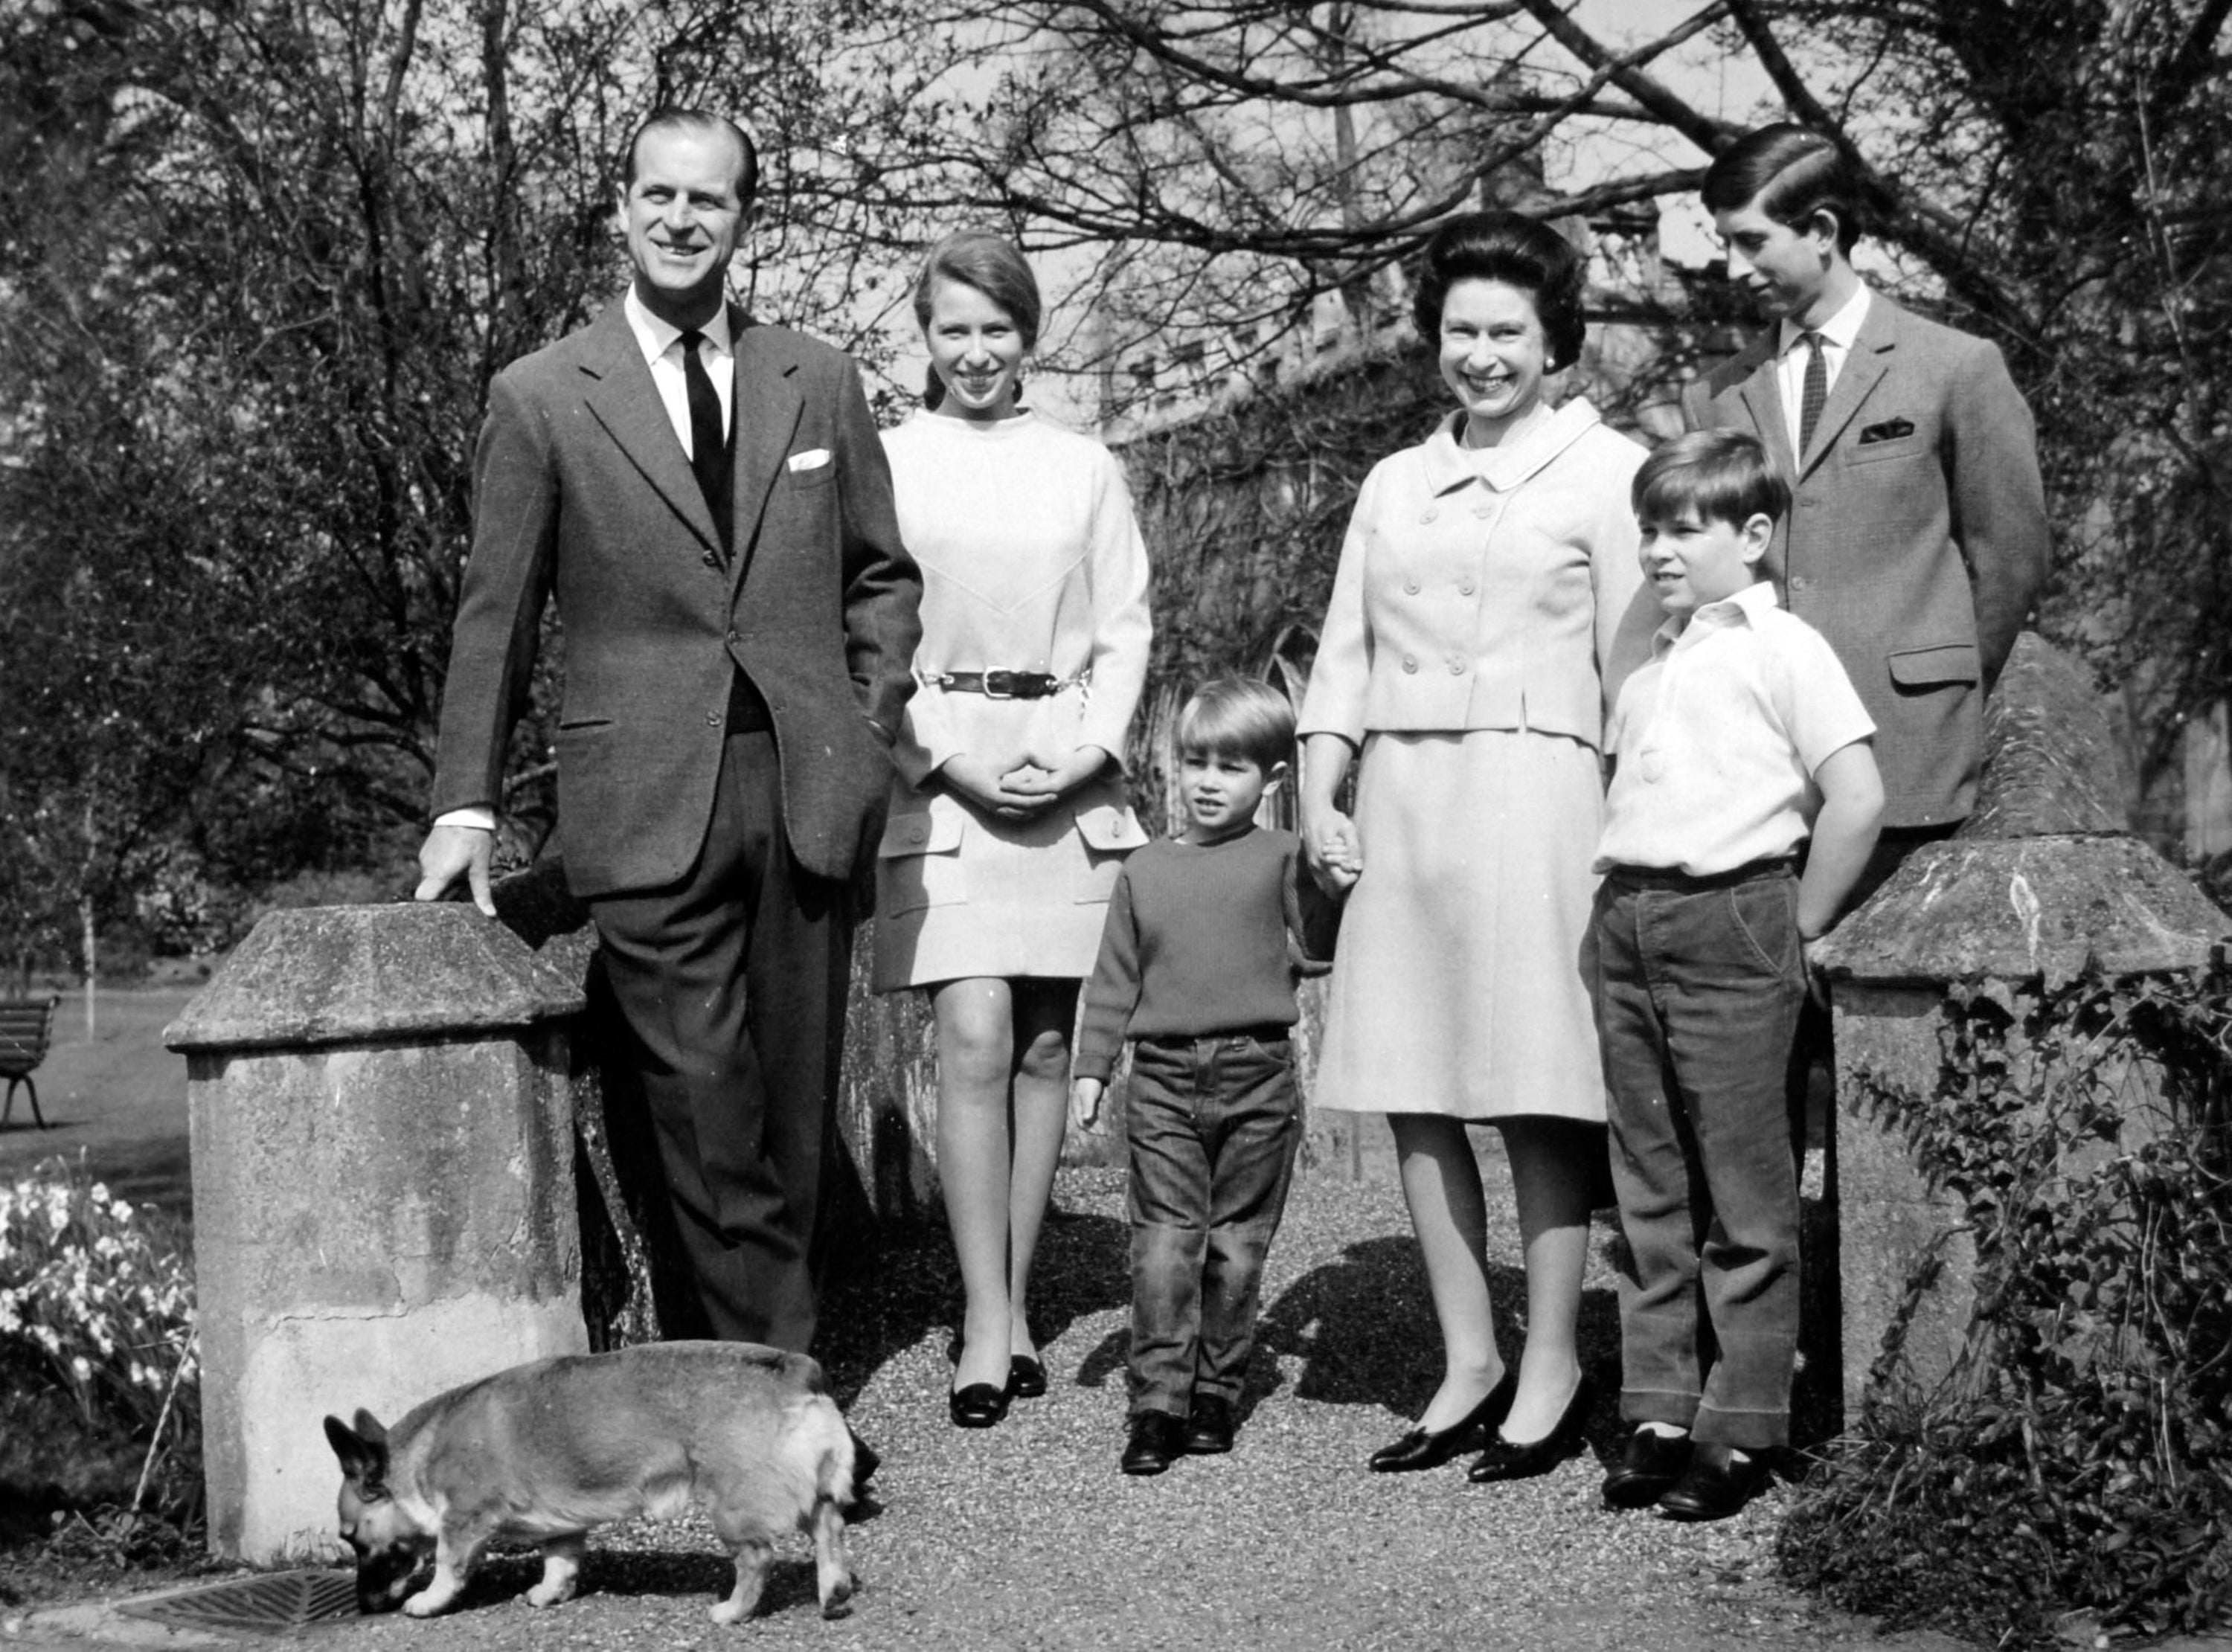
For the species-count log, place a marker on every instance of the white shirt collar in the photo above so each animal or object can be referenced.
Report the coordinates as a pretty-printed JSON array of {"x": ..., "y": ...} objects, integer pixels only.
[
  {"x": 1840, "y": 332},
  {"x": 1743, "y": 607},
  {"x": 655, "y": 337}
]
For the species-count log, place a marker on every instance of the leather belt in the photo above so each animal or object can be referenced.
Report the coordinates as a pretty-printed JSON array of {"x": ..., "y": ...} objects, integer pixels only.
[
  {"x": 1690, "y": 882},
  {"x": 1001, "y": 685}
]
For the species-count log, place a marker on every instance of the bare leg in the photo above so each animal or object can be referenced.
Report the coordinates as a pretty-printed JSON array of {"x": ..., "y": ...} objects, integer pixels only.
[
  {"x": 1441, "y": 1184},
  {"x": 561, "y": 1570},
  {"x": 1550, "y": 1178},
  {"x": 975, "y": 1060},
  {"x": 1044, "y": 1013}
]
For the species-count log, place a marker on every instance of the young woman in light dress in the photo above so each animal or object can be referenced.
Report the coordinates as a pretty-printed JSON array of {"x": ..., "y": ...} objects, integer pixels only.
[{"x": 1009, "y": 820}]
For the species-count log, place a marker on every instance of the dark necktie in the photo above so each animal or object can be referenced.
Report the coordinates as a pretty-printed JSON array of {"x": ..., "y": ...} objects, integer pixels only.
[
  {"x": 705, "y": 440},
  {"x": 1815, "y": 393}
]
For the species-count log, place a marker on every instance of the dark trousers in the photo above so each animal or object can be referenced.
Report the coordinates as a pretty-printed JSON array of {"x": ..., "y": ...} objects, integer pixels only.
[
  {"x": 1214, "y": 1126},
  {"x": 1698, "y": 985},
  {"x": 732, "y": 984}
]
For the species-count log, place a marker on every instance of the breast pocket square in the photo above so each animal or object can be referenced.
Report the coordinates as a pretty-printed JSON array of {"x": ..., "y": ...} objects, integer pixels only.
[
  {"x": 1889, "y": 431},
  {"x": 814, "y": 457}
]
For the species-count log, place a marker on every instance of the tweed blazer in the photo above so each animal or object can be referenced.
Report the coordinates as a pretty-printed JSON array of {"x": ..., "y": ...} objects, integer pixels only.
[
  {"x": 1491, "y": 588},
  {"x": 1917, "y": 540},
  {"x": 582, "y": 492}
]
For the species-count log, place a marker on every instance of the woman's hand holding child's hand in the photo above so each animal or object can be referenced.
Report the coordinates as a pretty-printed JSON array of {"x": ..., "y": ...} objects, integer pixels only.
[{"x": 1336, "y": 857}]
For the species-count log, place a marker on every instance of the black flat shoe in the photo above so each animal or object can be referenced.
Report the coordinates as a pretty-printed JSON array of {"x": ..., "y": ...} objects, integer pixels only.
[
  {"x": 979, "y": 1406},
  {"x": 1513, "y": 1460},
  {"x": 1026, "y": 1377},
  {"x": 1156, "y": 1440},
  {"x": 1648, "y": 1465},
  {"x": 1717, "y": 1485},
  {"x": 1431, "y": 1448},
  {"x": 1208, "y": 1426}
]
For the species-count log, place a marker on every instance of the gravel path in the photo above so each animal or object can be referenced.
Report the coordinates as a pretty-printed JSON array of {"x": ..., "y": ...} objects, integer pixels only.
[{"x": 1025, "y": 1536}]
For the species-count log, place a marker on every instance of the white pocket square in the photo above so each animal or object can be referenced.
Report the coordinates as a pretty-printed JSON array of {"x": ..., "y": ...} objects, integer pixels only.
[{"x": 813, "y": 459}]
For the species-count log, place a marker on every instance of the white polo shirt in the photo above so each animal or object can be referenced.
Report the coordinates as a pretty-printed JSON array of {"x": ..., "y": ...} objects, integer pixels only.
[{"x": 1717, "y": 737}]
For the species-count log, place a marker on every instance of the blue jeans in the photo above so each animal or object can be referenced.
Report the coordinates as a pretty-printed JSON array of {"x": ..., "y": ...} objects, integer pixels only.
[
  {"x": 1699, "y": 982},
  {"x": 1214, "y": 1126}
]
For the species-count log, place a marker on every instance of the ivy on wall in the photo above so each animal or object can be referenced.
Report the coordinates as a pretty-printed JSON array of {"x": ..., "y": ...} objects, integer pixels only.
[{"x": 2078, "y": 1457}]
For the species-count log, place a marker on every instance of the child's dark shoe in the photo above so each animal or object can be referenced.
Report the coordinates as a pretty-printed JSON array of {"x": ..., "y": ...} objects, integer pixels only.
[
  {"x": 1156, "y": 1439},
  {"x": 1718, "y": 1484},
  {"x": 1650, "y": 1465},
  {"x": 1209, "y": 1428}
]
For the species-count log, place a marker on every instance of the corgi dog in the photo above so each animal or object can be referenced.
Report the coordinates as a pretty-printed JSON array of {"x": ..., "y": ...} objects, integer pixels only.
[{"x": 546, "y": 1451}]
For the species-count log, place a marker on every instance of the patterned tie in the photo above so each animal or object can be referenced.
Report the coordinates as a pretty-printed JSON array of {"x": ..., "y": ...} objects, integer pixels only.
[
  {"x": 705, "y": 440},
  {"x": 1815, "y": 393}
]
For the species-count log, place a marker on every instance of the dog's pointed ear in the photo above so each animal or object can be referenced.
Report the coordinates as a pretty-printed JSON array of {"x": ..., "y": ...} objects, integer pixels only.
[{"x": 362, "y": 1451}]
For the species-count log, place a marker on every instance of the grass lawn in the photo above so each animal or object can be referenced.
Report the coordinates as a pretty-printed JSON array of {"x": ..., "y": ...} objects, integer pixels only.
[{"x": 118, "y": 1097}]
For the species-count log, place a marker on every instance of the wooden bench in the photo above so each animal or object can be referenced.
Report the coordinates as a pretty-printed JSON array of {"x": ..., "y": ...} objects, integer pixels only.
[{"x": 26, "y": 1026}]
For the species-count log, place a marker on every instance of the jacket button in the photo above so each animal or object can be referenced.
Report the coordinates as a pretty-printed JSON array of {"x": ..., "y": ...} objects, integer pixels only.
[
  {"x": 1409, "y": 662},
  {"x": 733, "y": 639},
  {"x": 1457, "y": 667},
  {"x": 1464, "y": 587},
  {"x": 1484, "y": 511},
  {"x": 917, "y": 835},
  {"x": 1808, "y": 502},
  {"x": 1411, "y": 586},
  {"x": 1801, "y": 583},
  {"x": 712, "y": 719},
  {"x": 1428, "y": 514},
  {"x": 709, "y": 560}
]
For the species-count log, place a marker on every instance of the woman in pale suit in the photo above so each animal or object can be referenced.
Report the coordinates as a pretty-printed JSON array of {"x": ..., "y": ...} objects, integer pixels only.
[
  {"x": 1486, "y": 585},
  {"x": 1009, "y": 820}
]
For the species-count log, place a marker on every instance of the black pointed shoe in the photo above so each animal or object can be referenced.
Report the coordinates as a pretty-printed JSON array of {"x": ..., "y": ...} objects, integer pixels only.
[
  {"x": 1431, "y": 1448},
  {"x": 979, "y": 1406},
  {"x": 1718, "y": 1484},
  {"x": 1524, "y": 1460},
  {"x": 1648, "y": 1465},
  {"x": 1208, "y": 1426},
  {"x": 1156, "y": 1440}
]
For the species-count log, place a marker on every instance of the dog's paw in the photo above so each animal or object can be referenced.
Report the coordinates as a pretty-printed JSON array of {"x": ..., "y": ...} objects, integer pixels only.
[
  {"x": 729, "y": 1611},
  {"x": 838, "y": 1602},
  {"x": 423, "y": 1604},
  {"x": 550, "y": 1594}
]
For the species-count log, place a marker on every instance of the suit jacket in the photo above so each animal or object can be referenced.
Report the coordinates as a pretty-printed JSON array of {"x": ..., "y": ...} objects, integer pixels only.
[
  {"x": 581, "y": 490},
  {"x": 1917, "y": 539},
  {"x": 1496, "y": 589}
]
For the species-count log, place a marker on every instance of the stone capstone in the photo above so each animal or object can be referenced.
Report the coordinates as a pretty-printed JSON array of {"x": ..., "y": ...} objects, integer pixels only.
[{"x": 336, "y": 974}]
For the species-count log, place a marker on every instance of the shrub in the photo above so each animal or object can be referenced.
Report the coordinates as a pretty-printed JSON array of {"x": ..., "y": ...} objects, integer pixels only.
[
  {"x": 97, "y": 1305},
  {"x": 2079, "y": 1456}
]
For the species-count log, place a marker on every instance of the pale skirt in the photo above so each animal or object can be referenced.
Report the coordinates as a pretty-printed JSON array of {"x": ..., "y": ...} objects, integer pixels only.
[
  {"x": 961, "y": 893},
  {"x": 1458, "y": 985}
]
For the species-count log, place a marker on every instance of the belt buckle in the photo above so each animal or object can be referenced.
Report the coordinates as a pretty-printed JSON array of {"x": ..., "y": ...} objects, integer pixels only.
[{"x": 999, "y": 686}]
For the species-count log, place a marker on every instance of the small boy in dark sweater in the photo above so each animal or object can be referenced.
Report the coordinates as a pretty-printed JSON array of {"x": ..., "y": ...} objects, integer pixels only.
[{"x": 1204, "y": 939}]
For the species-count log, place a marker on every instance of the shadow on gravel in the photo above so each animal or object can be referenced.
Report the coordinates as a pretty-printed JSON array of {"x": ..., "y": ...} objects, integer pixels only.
[
  {"x": 1363, "y": 1329},
  {"x": 905, "y": 1285}
]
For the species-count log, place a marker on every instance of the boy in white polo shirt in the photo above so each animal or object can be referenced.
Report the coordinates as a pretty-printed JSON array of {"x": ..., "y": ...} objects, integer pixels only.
[{"x": 1740, "y": 735}]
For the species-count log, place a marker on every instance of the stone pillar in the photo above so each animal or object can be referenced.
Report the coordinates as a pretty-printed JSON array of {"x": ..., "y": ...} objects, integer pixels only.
[
  {"x": 2043, "y": 883},
  {"x": 383, "y": 1178}
]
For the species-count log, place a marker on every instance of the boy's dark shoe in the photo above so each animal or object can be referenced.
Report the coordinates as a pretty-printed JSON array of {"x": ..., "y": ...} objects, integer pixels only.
[
  {"x": 1717, "y": 1485},
  {"x": 1650, "y": 1465},
  {"x": 1158, "y": 1439},
  {"x": 1208, "y": 1428}
]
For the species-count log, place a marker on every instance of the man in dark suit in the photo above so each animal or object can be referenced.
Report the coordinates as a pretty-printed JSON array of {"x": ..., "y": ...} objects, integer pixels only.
[
  {"x": 1917, "y": 540},
  {"x": 708, "y": 500}
]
